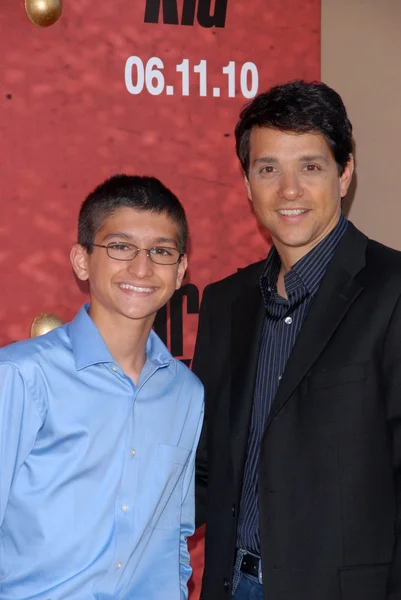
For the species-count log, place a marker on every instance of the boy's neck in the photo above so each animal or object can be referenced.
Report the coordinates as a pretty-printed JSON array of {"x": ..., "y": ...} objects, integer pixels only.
[{"x": 126, "y": 341}]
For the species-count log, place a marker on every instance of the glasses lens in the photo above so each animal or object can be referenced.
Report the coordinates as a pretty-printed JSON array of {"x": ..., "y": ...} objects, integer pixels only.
[
  {"x": 122, "y": 251},
  {"x": 164, "y": 256}
]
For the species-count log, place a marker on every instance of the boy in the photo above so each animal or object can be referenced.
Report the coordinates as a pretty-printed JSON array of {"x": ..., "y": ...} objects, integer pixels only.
[{"x": 98, "y": 422}]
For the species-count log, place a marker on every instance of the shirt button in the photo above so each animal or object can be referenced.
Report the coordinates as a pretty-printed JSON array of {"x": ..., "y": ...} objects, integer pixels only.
[
  {"x": 119, "y": 565},
  {"x": 288, "y": 320},
  {"x": 133, "y": 452},
  {"x": 279, "y": 377},
  {"x": 124, "y": 508},
  {"x": 114, "y": 368}
]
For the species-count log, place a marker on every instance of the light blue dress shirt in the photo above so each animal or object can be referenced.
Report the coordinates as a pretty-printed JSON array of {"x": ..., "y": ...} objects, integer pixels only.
[{"x": 96, "y": 473}]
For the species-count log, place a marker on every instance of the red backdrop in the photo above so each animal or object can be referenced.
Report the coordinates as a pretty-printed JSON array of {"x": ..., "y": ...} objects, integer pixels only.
[{"x": 75, "y": 109}]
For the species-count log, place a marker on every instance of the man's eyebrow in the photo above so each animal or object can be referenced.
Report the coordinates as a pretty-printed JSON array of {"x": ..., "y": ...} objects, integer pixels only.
[
  {"x": 263, "y": 160},
  {"x": 314, "y": 157}
]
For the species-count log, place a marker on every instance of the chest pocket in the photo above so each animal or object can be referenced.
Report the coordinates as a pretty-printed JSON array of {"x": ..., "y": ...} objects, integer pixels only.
[
  {"x": 337, "y": 377},
  {"x": 174, "y": 454}
]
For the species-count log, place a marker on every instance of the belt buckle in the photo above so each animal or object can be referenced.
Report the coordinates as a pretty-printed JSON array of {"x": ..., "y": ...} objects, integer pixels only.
[{"x": 260, "y": 577}]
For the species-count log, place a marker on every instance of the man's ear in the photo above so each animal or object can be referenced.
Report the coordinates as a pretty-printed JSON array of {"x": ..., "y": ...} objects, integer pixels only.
[
  {"x": 79, "y": 261},
  {"x": 346, "y": 177},
  {"x": 182, "y": 267},
  {"x": 248, "y": 187}
]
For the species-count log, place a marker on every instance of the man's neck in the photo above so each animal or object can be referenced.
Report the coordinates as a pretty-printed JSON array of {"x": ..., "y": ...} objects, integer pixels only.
[
  {"x": 281, "y": 285},
  {"x": 290, "y": 255}
]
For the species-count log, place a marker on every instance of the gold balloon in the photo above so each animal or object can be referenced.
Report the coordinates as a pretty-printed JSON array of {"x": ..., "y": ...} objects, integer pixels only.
[
  {"x": 43, "y": 13},
  {"x": 44, "y": 323}
]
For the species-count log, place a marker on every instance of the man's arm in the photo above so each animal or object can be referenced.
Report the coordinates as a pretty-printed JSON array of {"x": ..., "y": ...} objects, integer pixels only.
[
  {"x": 201, "y": 368},
  {"x": 188, "y": 515},
  {"x": 391, "y": 371},
  {"x": 19, "y": 424}
]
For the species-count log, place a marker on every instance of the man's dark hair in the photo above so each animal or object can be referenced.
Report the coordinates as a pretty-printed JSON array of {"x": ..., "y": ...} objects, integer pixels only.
[
  {"x": 299, "y": 107},
  {"x": 131, "y": 191}
]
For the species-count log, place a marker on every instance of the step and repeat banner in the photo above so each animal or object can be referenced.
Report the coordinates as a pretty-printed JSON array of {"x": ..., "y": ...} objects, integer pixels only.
[{"x": 149, "y": 87}]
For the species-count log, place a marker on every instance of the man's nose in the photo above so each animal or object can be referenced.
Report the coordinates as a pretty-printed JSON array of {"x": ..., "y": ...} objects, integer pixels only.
[{"x": 290, "y": 186}]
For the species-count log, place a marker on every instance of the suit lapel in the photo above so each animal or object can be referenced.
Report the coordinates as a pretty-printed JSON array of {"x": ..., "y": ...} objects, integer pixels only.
[
  {"x": 247, "y": 322},
  {"x": 338, "y": 291}
]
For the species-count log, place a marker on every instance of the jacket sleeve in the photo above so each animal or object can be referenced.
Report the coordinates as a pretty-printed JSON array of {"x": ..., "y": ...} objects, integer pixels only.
[
  {"x": 391, "y": 372},
  {"x": 19, "y": 424},
  {"x": 201, "y": 367}
]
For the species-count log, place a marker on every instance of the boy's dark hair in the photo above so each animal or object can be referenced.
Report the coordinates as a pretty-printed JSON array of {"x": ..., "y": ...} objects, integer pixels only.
[
  {"x": 299, "y": 107},
  {"x": 132, "y": 191}
]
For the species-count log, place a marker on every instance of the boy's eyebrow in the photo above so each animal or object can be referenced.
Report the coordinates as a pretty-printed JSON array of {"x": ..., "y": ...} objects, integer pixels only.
[
  {"x": 130, "y": 238},
  {"x": 165, "y": 240},
  {"x": 119, "y": 234}
]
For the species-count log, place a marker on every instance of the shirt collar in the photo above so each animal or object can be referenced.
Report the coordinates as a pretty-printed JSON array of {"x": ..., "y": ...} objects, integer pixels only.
[
  {"x": 309, "y": 270},
  {"x": 157, "y": 353},
  {"x": 89, "y": 348}
]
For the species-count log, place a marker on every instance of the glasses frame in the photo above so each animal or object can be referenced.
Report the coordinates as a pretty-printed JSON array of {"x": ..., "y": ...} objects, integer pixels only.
[{"x": 147, "y": 250}]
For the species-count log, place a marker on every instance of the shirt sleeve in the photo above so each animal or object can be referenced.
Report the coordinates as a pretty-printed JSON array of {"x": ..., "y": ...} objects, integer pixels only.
[
  {"x": 19, "y": 424},
  {"x": 188, "y": 514}
]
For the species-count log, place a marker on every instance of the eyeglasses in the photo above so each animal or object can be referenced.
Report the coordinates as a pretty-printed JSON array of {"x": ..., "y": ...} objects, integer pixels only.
[{"x": 158, "y": 255}]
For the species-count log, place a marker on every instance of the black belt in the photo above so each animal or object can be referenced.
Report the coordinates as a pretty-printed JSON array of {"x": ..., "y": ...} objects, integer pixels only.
[{"x": 251, "y": 565}]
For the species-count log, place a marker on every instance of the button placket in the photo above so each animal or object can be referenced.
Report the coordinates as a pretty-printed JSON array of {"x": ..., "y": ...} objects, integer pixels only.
[{"x": 124, "y": 509}]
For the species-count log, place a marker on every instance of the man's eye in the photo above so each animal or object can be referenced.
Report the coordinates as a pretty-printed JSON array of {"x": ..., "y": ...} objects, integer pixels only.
[
  {"x": 268, "y": 169},
  {"x": 312, "y": 168}
]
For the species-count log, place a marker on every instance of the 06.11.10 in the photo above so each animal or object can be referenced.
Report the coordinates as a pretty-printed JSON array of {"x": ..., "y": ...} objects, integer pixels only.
[{"x": 150, "y": 77}]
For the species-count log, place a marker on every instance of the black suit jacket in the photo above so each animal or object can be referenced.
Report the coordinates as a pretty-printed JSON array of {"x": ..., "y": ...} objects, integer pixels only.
[{"x": 330, "y": 459}]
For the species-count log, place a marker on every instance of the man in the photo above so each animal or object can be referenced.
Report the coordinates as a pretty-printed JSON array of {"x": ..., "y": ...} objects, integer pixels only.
[
  {"x": 98, "y": 422},
  {"x": 301, "y": 360}
]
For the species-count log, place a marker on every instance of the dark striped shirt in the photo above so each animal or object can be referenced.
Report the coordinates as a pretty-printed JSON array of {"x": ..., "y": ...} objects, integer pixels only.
[{"x": 282, "y": 323}]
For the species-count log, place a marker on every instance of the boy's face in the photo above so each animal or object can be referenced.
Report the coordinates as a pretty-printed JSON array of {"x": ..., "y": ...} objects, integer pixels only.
[{"x": 137, "y": 288}]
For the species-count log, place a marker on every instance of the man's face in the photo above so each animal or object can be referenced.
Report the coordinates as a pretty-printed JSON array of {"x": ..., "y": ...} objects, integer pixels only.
[
  {"x": 135, "y": 289},
  {"x": 295, "y": 188}
]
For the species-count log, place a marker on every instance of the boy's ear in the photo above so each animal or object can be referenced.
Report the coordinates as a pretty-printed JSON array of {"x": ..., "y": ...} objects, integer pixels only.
[{"x": 79, "y": 261}]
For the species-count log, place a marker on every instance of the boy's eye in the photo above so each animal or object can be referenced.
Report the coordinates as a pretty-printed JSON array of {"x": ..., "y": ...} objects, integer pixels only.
[
  {"x": 158, "y": 251},
  {"x": 119, "y": 247}
]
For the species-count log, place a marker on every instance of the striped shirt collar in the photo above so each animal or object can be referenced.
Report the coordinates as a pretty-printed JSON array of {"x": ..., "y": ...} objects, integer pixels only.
[{"x": 309, "y": 270}]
